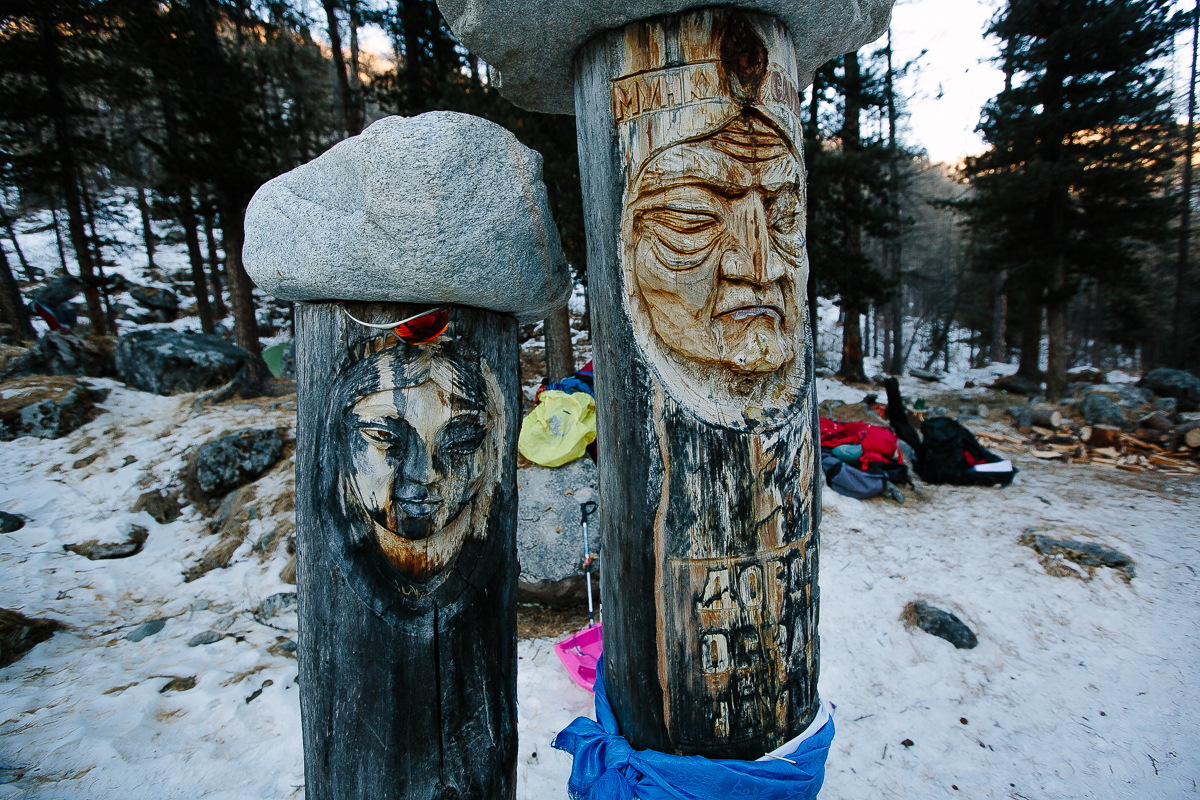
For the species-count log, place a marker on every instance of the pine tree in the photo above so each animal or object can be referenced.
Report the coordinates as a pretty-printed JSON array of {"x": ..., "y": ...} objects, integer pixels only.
[{"x": 1081, "y": 146}]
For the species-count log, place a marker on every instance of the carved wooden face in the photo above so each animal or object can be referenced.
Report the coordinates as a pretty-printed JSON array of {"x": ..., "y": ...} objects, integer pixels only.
[
  {"x": 417, "y": 461},
  {"x": 419, "y": 453},
  {"x": 718, "y": 247}
]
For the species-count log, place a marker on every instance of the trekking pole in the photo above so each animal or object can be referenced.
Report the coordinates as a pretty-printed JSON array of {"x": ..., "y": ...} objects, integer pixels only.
[{"x": 586, "y": 510}]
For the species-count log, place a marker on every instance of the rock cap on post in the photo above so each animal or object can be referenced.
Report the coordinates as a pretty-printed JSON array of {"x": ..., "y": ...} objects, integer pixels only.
[
  {"x": 533, "y": 42},
  {"x": 438, "y": 208}
]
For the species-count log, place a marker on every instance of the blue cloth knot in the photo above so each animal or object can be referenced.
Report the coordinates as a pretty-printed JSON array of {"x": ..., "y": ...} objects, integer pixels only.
[{"x": 606, "y": 767}]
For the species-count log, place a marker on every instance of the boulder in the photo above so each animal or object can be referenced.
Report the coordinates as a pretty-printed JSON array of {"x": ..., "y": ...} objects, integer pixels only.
[
  {"x": 532, "y": 43},
  {"x": 148, "y": 628},
  {"x": 94, "y": 550},
  {"x": 165, "y": 362},
  {"x": 10, "y": 523},
  {"x": 437, "y": 208},
  {"x": 549, "y": 536},
  {"x": 1125, "y": 395},
  {"x": 19, "y": 634},
  {"x": 1016, "y": 384},
  {"x": 59, "y": 353},
  {"x": 57, "y": 291},
  {"x": 163, "y": 304},
  {"x": 224, "y": 464},
  {"x": 1099, "y": 409},
  {"x": 163, "y": 508},
  {"x": 937, "y": 622},
  {"x": 48, "y": 408},
  {"x": 1184, "y": 386},
  {"x": 1169, "y": 406}
]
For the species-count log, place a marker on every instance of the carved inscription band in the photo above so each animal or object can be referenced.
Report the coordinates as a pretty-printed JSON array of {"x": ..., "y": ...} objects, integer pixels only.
[{"x": 670, "y": 89}]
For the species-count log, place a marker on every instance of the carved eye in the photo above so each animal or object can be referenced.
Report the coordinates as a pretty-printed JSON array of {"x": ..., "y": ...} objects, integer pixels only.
[
  {"x": 379, "y": 437},
  {"x": 682, "y": 237},
  {"x": 462, "y": 437},
  {"x": 681, "y": 221},
  {"x": 785, "y": 214}
]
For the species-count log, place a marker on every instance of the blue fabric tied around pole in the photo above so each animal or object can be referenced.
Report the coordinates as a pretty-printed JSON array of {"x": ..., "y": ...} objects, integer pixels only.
[{"x": 607, "y": 768}]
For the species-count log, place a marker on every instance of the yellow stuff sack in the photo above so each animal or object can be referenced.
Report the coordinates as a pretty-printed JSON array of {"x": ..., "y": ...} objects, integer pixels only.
[{"x": 559, "y": 430}]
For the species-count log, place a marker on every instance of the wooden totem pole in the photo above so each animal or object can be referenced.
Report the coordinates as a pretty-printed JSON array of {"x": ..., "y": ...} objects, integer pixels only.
[
  {"x": 406, "y": 446},
  {"x": 694, "y": 190}
]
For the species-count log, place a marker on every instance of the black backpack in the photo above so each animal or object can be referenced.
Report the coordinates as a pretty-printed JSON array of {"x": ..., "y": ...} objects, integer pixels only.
[{"x": 943, "y": 460}]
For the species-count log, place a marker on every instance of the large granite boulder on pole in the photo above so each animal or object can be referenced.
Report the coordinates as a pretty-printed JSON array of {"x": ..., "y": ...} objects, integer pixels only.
[
  {"x": 533, "y": 42},
  {"x": 438, "y": 208}
]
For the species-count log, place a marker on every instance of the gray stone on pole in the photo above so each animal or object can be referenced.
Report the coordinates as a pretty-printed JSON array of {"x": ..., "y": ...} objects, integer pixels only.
[
  {"x": 437, "y": 208},
  {"x": 532, "y": 43}
]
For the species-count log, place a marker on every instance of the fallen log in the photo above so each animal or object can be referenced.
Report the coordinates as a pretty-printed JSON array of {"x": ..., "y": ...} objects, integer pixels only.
[
  {"x": 1102, "y": 436},
  {"x": 1046, "y": 417}
]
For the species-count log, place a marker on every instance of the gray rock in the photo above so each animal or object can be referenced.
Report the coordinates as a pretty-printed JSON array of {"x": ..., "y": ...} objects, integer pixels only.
[
  {"x": 19, "y": 634},
  {"x": 1099, "y": 409},
  {"x": 1125, "y": 395},
  {"x": 148, "y": 628},
  {"x": 59, "y": 353},
  {"x": 533, "y": 42},
  {"x": 438, "y": 208},
  {"x": 229, "y": 462},
  {"x": 206, "y": 637},
  {"x": 274, "y": 604},
  {"x": 937, "y": 622},
  {"x": 1167, "y": 405},
  {"x": 165, "y": 361},
  {"x": 48, "y": 408},
  {"x": 163, "y": 508},
  {"x": 1087, "y": 554},
  {"x": 1015, "y": 384},
  {"x": 1176, "y": 383},
  {"x": 10, "y": 523},
  {"x": 283, "y": 647},
  {"x": 163, "y": 304},
  {"x": 94, "y": 550},
  {"x": 57, "y": 291},
  {"x": 549, "y": 536}
]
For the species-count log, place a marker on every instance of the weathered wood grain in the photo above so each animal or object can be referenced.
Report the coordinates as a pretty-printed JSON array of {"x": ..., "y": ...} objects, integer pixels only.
[
  {"x": 407, "y": 674},
  {"x": 693, "y": 181}
]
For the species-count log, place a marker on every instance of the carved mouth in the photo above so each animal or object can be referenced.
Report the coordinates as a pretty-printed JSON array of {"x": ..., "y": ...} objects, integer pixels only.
[
  {"x": 746, "y": 312},
  {"x": 419, "y": 508}
]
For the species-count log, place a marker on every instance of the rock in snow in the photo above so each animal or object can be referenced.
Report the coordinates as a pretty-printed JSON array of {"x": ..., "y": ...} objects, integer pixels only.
[
  {"x": 59, "y": 353},
  {"x": 94, "y": 550},
  {"x": 147, "y": 628},
  {"x": 10, "y": 522},
  {"x": 549, "y": 537},
  {"x": 19, "y": 634},
  {"x": 224, "y": 464},
  {"x": 165, "y": 361},
  {"x": 942, "y": 624},
  {"x": 1176, "y": 383},
  {"x": 46, "y": 407}
]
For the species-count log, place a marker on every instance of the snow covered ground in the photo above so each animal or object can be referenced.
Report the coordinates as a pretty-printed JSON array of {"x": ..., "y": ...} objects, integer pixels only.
[{"x": 1077, "y": 688}]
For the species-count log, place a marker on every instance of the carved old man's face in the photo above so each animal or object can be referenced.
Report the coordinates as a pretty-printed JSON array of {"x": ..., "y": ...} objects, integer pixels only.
[{"x": 718, "y": 247}]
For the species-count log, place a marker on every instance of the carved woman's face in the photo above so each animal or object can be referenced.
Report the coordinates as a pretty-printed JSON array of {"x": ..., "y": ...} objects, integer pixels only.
[
  {"x": 416, "y": 459},
  {"x": 718, "y": 248}
]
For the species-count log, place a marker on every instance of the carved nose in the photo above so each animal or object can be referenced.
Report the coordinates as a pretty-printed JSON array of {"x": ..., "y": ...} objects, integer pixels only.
[
  {"x": 749, "y": 262},
  {"x": 418, "y": 466}
]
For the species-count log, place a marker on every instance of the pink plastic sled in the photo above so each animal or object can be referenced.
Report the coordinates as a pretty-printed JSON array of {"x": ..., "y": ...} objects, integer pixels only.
[{"x": 579, "y": 654}]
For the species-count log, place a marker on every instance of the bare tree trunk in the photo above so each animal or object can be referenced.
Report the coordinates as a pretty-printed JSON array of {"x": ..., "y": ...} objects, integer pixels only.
[
  {"x": 1179, "y": 348},
  {"x": 12, "y": 308},
  {"x": 1031, "y": 338},
  {"x": 851, "y": 368},
  {"x": 214, "y": 266},
  {"x": 560, "y": 357},
  {"x": 357, "y": 107},
  {"x": 1000, "y": 319},
  {"x": 62, "y": 248},
  {"x": 852, "y": 355},
  {"x": 241, "y": 293},
  {"x": 1056, "y": 332},
  {"x": 187, "y": 215},
  {"x": 147, "y": 228},
  {"x": 12, "y": 234},
  {"x": 339, "y": 63}
]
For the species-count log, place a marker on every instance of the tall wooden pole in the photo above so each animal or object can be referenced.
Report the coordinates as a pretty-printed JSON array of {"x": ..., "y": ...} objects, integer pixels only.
[
  {"x": 694, "y": 195},
  {"x": 406, "y": 555}
]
